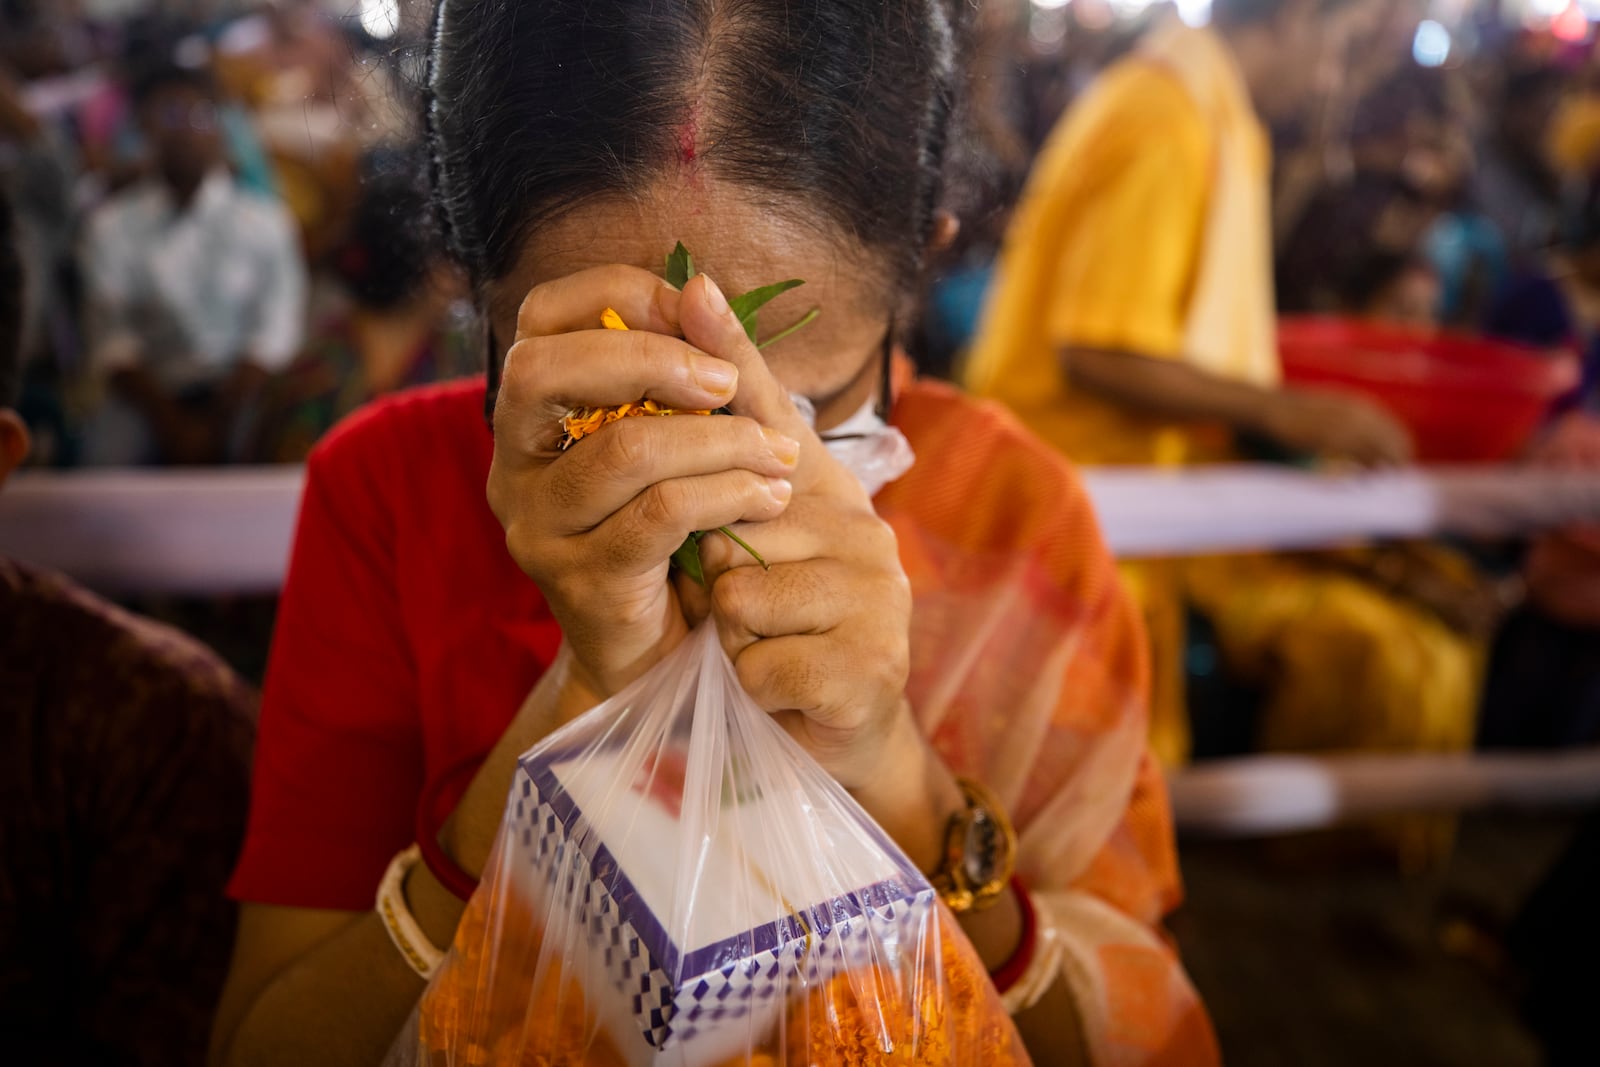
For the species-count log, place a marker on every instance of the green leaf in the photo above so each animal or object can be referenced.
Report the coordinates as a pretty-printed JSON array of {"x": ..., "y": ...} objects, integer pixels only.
[
  {"x": 687, "y": 559},
  {"x": 680, "y": 267},
  {"x": 746, "y": 305},
  {"x": 807, "y": 320}
]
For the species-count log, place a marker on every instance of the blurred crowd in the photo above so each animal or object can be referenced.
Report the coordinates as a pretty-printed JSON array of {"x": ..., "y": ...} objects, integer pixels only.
[
  {"x": 264, "y": 164},
  {"x": 1434, "y": 187},
  {"x": 224, "y": 223},
  {"x": 225, "y": 228}
]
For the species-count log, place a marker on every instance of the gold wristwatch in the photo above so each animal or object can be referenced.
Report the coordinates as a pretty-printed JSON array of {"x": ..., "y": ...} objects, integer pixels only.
[{"x": 980, "y": 852}]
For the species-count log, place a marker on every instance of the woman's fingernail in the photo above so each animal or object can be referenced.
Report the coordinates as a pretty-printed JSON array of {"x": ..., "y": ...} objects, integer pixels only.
[
  {"x": 714, "y": 297},
  {"x": 715, "y": 376},
  {"x": 781, "y": 490},
  {"x": 783, "y": 447},
  {"x": 667, "y": 304}
]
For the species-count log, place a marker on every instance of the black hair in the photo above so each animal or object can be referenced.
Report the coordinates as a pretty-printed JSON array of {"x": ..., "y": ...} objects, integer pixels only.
[
  {"x": 11, "y": 282},
  {"x": 146, "y": 83},
  {"x": 1412, "y": 92},
  {"x": 1374, "y": 272},
  {"x": 837, "y": 108},
  {"x": 393, "y": 241}
]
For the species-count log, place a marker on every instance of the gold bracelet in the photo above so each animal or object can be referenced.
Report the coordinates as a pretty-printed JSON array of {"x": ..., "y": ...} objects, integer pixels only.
[
  {"x": 415, "y": 948},
  {"x": 980, "y": 851}
]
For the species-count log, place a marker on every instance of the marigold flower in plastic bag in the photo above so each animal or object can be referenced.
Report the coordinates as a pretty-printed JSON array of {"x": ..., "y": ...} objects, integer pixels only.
[{"x": 677, "y": 884}]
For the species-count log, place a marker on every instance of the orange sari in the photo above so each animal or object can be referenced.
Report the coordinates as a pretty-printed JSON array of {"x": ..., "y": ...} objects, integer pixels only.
[{"x": 1030, "y": 672}]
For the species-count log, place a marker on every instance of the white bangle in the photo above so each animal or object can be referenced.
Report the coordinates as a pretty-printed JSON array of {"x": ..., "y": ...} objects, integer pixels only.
[
  {"x": 391, "y": 906},
  {"x": 1045, "y": 967}
]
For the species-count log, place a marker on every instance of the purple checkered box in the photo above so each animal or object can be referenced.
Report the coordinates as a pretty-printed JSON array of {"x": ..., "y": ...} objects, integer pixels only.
[{"x": 691, "y": 925}]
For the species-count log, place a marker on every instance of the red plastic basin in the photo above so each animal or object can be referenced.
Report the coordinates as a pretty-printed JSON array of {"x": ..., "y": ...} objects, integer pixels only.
[{"x": 1465, "y": 399}]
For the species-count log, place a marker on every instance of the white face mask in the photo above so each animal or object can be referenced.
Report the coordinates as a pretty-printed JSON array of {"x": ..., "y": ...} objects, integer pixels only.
[{"x": 875, "y": 452}]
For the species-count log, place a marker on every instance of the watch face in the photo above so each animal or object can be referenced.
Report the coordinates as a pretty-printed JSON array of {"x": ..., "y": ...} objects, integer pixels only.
[{"x": 979, "y": 858}]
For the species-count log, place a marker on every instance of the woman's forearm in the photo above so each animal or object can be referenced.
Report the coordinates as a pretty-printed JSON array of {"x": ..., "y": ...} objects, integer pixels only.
[
  {"x": 1052, "y": 1030},
  {"x": 560, "y": 696},
  {"x": 340, "y": 1004},
  {"x": 344, "y": 995}
]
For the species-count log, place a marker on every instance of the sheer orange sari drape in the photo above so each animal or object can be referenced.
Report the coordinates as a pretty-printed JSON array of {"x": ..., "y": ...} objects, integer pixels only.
[{"x": 1030, "y": 671}]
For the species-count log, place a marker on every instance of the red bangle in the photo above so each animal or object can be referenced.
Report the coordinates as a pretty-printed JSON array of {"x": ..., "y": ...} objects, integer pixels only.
[
  {"x": 1011, "y": 971},
  {"x": 429, "y": 821}
]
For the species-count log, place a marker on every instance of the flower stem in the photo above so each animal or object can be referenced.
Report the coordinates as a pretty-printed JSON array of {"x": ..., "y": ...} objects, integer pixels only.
[
  {"x": 810, "y": 316},
  {"x": 736, "y": 539}
]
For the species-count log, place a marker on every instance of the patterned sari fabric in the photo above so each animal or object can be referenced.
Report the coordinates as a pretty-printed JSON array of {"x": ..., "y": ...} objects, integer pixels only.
[{"x": 1028, "y": 672}]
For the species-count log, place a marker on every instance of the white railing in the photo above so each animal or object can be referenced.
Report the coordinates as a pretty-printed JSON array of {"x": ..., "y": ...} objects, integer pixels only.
[{"x": 229, "y": 531}]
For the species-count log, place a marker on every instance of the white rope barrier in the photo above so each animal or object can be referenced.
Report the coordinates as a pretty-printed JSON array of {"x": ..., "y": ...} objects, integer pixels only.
[
  {"x": 1241, "y": 507},
  {"x": 202, "y": 532},
  {"x": 1256, "y": 795},
  {"x": 229, "y": 530}
]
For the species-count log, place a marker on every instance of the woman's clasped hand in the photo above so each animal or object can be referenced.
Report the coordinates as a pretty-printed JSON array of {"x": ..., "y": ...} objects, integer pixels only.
[{"x": 819, "y": 636}]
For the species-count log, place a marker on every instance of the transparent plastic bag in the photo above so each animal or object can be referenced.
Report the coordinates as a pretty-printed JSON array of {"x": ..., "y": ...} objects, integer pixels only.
[{"x": 677, "y": 882}]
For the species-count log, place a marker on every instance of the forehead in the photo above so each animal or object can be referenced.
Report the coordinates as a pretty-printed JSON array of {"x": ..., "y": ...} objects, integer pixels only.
[{"x": 740, "y": 239}]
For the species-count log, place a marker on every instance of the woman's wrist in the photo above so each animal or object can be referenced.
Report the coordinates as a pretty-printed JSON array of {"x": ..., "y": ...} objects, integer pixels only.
[
  {"x": 562, "y": 694},
  {"x": 436, "y": 909},
  {"x": 913, "y": 799},
  {"x": 912, "y": 795}
]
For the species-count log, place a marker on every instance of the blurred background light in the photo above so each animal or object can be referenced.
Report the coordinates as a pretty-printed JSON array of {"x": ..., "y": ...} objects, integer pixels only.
[
  {"x": 1571, "y": 25},
  {"x": 1198, "y": 12},
  {"x": 380, "y": 18},
  {"x": 1129, "y": 8},
  {"x": 1431, "y": 47}
]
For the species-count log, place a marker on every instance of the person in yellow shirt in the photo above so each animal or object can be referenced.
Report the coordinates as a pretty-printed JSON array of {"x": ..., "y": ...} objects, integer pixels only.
[{"x": 1132, "y": 321}]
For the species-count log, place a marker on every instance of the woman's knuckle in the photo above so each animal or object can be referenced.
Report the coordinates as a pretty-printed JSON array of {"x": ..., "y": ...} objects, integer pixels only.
[
  {"x": 531, "y": 313},
  {"x": 897, "y": 588},
  {"x": 797, "y": 679},
  {"x": 515, "y": 377},
  {"x": 880, "y": 537},
  {"x": 522, "y": 544},
  {"x": 751, "y": 669},
  {"x": 626, "y": 448},
  {"x": 659, "y": 505},
  {"x": 645, "y": 347},
  {"x": 497, "y": 494},
  {"x": 730, "y": 594}
]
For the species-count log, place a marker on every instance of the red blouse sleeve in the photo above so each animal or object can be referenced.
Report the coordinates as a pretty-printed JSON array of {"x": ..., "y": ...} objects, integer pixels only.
[{"x": 339, "y": 760}]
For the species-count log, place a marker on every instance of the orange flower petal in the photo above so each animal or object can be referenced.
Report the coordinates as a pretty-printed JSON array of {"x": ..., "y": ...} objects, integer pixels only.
[{"x": 581, "y": 422}]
